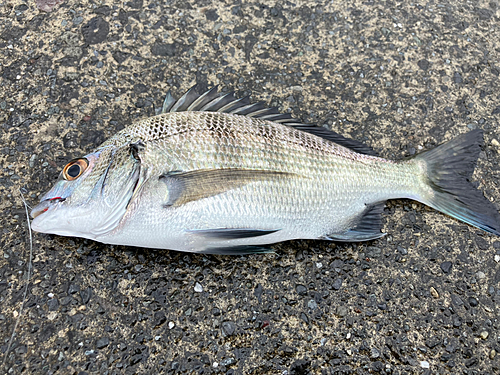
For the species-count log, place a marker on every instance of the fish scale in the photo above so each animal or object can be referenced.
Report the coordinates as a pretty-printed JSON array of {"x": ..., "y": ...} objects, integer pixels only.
[
  {"x": 196, "y": 179},
  {"x": 198, "y": 142}
]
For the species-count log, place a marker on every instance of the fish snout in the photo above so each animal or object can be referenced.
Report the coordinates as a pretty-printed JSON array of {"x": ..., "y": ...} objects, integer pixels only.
[{"x": 44, "y": 206}]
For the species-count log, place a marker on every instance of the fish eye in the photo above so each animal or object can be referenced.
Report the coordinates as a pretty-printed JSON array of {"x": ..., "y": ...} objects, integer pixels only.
[{"x": 74, "y": 169}]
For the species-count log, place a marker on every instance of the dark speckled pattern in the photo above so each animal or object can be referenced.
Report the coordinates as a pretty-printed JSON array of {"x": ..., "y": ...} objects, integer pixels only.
[{"x": 399, "y": 76}]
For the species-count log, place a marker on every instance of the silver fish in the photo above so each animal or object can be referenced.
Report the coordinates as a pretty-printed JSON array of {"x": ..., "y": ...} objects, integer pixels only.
[{"x": 217, "y": 174}]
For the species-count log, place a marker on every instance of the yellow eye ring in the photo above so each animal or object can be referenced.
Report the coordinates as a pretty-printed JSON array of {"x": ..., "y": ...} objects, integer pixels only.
[{"x": 74, "y": 169}]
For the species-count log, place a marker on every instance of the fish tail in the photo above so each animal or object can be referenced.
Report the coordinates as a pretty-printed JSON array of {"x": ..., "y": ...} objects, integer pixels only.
[{"x": 449, "y": 168}]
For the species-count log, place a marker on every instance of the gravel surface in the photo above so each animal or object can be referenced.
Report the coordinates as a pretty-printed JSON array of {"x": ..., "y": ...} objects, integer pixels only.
[{"x": 400, "y": 77}]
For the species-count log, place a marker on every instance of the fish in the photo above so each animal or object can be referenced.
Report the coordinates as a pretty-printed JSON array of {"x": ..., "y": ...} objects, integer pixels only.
[{"x": 217, "y": 174}]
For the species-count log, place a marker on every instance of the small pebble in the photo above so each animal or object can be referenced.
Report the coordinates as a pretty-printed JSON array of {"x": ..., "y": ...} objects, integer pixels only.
[
  {"x": 424, "y": 364},
  {"x": 473, "y": 301},
  {"x": 198, "y": 288},
  {"x": 495, "y": 143},
  {"x": 480, "y": 275},
  {"x": 312, "y": 304},
  {"x": 301, "y": 290},
  {"x": 337, "y": 284},
  {"x": 434, "y": 292},
  {"x": 497, "y": 258},
  {"x": 342, "y": 311},
  {"x": 171, "y": 325},
  {"x": 446, "y": 267},
  {"x": 493, "y": 353},
  {"x": 227, "y": 362},
  {"x": 102, "y": 343},
  {"x": 228, "y": 328},
  {"x": 32, "y": 160},
  {"x": 484, "y": 335}
]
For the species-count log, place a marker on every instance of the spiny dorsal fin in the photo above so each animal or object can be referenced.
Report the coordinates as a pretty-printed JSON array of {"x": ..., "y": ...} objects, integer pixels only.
[{"x": 212, "y": 101}]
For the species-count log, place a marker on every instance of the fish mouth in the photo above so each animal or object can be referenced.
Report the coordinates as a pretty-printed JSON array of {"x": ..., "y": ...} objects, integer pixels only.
[{"x": 44, "y": 206}]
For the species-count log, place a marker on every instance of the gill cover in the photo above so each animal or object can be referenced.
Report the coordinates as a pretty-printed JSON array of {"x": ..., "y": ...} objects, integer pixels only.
[{"x": 117, "y": 187}]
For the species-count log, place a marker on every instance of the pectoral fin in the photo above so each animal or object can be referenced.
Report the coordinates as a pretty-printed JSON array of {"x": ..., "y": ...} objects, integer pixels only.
[{"x": 185, "y": 187}]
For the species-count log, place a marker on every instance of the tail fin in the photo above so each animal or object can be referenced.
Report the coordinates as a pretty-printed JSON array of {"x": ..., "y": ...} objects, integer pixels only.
[{"x": 449, "y": 169}]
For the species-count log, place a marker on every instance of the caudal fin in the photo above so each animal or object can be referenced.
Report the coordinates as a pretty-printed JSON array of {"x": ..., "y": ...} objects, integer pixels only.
[{"x": 449, "y": 169}]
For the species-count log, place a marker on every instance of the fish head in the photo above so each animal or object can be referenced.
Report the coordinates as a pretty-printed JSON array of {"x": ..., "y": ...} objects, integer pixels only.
[{"x": 90, "y": 196}]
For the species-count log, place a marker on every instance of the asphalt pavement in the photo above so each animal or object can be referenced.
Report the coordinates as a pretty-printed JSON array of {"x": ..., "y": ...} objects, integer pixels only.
[{"x": 402, "y": 77}]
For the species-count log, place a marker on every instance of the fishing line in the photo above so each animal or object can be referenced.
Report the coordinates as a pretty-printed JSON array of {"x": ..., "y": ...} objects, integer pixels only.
[{"x": 27, "y": 281}]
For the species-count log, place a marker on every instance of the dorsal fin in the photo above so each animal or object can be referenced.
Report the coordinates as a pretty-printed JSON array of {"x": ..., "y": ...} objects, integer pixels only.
[{"x": 212, "y": 101}]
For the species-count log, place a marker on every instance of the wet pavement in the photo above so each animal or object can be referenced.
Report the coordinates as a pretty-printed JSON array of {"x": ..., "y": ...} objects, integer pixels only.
[{"x": 400, "y": 77}]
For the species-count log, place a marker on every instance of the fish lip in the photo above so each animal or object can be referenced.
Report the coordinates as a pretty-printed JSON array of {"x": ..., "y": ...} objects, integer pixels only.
[{"x": 44, "y": 206}]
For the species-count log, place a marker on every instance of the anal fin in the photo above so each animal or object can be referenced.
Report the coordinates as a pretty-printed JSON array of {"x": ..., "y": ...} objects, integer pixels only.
[{"x": 368, "y": 226}]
